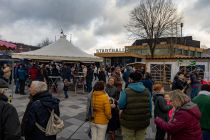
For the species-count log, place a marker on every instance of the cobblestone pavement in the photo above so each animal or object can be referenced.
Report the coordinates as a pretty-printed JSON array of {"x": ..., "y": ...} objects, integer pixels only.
[{"x": 73, "y": 113}]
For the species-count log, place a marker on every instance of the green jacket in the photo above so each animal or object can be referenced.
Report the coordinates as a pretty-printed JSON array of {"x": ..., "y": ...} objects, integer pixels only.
[
  {"x": 203, "y": 102},
  {"x": 136, "y": 114},
  {"x": 161, "y": 108}
]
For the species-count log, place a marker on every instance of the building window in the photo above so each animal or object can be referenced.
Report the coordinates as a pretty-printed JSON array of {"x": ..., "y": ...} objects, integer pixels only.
[
  {"x": 144, "y": 44},
  {"x": 162, "y": 43},
  {"x": 145, "y": 51},
  {"x": 161, "y": 51},
  {"x": 198, "y": 54},
  {"x": 178, "y": 51},
  {"x": 126, "y": 49},
  {"x": 161, "y": 72},
  {"x": 192, "y": 53},
  {"x": 186, "y": 52}
]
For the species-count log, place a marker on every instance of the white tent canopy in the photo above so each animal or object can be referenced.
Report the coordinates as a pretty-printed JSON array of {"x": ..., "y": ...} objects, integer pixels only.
[{"x": 62, "y": 49}]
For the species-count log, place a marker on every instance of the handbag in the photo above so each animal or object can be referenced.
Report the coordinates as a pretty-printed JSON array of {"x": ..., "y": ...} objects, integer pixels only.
[{"x": 54, "y": 125}]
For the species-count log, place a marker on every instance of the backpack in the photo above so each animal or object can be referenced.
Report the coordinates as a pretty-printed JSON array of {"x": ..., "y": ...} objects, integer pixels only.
[{"x": 54, "y": 125}]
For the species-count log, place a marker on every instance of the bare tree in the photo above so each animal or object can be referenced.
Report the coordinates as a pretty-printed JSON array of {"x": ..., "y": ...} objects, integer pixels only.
[
  {"x": 153, "y": 19},
  {"x": 44, "y": 42}
]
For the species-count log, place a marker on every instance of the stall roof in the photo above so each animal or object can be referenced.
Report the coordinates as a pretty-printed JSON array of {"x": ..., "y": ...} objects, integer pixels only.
[
  {"x": 62, "y": 49},
  {"x": 8, "y": 45}
]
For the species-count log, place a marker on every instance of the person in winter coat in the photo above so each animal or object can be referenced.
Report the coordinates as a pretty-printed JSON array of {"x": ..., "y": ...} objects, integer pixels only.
[
  {"x": 179, "y": 82},
  {"x": 102, "y": 75},
  {"x": 168, "y": 101},
  {"x": 195, "y": 85},
  {"x": 89, "y": 79},
  {"x": 135, "y": 108},
  {"x": 161, "y": 109},
  {"x": 21, "y": 77},
  {"x": 66, "y": 72},
  {"x": 16, "y": 80},
  {"x": 7, "y": 72},
  {"x": 9, "y": 121},
  {"x": 114, "y": 122},
  {"x": 101, "y": 111},
  {"x": 66, "y": 85},
  {"x": 126, "y": 74},
  {"x": 203, "y": 102},
  {"x": 38, "y": 111},
  {"x": 148, "y": 82},
  {"x": 33, "y": 72},
  {"x": 185, "y": 124},
  {"x": 118, "y": 80}
]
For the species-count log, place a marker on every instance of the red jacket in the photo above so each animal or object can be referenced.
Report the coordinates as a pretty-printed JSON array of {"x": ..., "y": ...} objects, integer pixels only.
[
  {"x": 33, "y": 73},
  {"x": 185, "y": 125}
]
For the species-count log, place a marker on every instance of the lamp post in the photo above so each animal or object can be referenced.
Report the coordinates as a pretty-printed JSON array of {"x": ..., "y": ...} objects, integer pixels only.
[{"x": 182, "y": 24}]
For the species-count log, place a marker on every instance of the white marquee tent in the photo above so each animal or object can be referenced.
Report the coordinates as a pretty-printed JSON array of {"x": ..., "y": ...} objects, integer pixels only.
[{"x": 62, "y": 49}]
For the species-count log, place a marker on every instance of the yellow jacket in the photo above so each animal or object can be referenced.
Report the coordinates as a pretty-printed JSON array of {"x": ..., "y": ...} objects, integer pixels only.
[{"x": 101, "y": 107}]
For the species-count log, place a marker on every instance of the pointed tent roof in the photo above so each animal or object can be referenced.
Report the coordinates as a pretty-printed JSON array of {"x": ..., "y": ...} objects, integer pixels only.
[{"x": 62, "y": 49}]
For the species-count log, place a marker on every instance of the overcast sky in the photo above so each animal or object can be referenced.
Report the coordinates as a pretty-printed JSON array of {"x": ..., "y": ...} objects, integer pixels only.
[{"x": 94, "y": 24}]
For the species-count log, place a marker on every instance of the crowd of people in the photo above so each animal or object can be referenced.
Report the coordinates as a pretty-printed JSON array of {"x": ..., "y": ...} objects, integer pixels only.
[
  {"x": 180, "y": 113},
  {"x": 119, "y": 103}
]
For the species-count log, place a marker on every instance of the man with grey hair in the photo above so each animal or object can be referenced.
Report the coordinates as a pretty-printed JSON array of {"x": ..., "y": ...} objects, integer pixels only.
[
  {"x": 38, "y": 111},
  {"x": 9, "y": 121}
]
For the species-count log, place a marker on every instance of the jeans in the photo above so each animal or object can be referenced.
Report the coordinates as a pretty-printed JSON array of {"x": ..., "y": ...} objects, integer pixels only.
[
  {"x": 129, "y": 134},
  {"x": 22, "y": 87},
  {"x": 66, "y": 94},
  {"x": 206, "y": 135},
  {"x": 98, "y": 131},
  {"x": 17, "y": 88}
]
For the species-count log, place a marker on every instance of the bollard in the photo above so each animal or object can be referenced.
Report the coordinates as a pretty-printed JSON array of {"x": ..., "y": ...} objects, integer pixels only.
[{"x": 10, "y": 99}]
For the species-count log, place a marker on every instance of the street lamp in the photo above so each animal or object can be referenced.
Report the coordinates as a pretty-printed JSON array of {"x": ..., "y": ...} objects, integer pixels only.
[{"x": 182, "y": 24}]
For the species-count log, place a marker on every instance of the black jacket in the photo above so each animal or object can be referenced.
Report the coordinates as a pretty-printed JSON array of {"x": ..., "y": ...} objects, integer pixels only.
[
  {"x": 161, "y": 108},
  {"x": 10, "y": 125},
  {"x": 178, "y": 84},
  {"x": 38, "y": 111}
]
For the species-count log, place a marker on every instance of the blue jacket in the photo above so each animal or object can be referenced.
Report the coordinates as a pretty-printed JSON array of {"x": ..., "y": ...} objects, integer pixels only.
[
  {"x": 21, "y": 74},
  {"x": 138, "y": 87},
  {"x": 38, "y": 110},
  {"x": 148, "y": 83}
]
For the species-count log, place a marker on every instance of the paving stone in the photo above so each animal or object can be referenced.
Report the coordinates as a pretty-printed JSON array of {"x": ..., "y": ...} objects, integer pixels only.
[
  {"x": 74, "y": 106},
  {"x": 66, "y": 133},
  {"x": 75, "y": 121}
]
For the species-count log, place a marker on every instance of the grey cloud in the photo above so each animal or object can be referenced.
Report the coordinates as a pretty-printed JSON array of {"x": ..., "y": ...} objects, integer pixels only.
[
  {"x": 198, "y": 15},
  {"x": 121, "y": 3},
  {"x": 64, "y": 13},
  {"x": 200, "y": 4},
  {"x": 109, "y": 27}
]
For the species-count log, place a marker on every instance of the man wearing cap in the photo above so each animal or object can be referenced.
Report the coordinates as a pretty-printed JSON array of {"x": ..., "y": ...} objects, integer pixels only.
[{"x": 135, "y": 106}]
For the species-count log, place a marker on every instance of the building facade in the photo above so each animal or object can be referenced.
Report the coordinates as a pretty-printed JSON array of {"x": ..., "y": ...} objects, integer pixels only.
[
  {"x": 171, "y": 56},
  {"x": 167, "y": 47}
]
